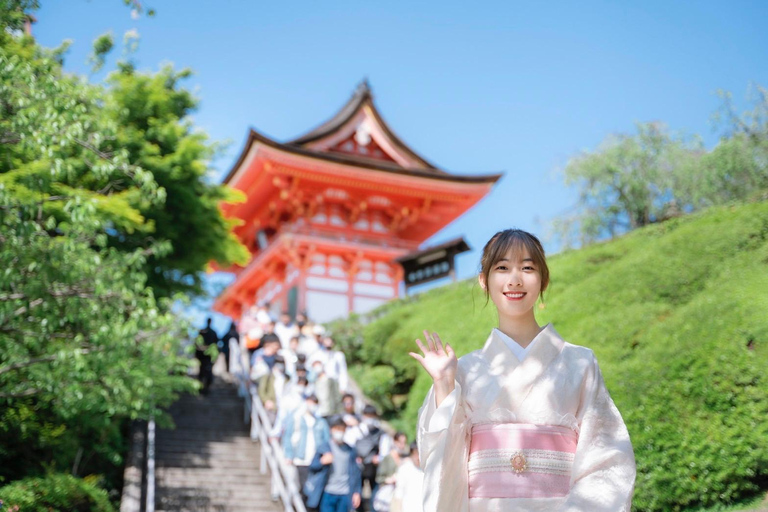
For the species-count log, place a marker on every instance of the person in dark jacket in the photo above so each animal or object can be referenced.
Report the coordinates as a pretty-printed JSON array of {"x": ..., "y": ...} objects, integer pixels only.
[
  {"x": 334, "y": 482},
  {"x": 231, "y": 336},
  {"x": 207, "y": 337}
]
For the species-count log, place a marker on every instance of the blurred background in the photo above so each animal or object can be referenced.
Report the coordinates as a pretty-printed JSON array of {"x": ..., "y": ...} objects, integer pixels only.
[{"x": 632, "y": 138}]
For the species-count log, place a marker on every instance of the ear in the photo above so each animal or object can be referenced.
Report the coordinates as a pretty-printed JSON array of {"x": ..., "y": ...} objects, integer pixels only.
[{"x": 481, "y": 280}]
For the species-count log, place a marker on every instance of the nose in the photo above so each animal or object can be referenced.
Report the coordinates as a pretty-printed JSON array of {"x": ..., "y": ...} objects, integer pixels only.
[{"x": 515, "y": 278}]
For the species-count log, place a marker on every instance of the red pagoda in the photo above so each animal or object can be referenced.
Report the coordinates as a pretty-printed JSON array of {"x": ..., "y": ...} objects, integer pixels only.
[{"x": 328, "y": 214}]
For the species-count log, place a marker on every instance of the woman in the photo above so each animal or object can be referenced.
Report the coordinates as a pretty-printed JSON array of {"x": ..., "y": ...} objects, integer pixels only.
[{"x": 526, "y": 423}]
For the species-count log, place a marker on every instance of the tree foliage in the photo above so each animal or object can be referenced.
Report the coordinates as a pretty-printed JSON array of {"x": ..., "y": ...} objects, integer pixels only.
[
  {"x": 157, "y": 135},
  {"x": 635, "y": 180},
  {"x": 628, "y": 182},
  {"x": 106, "y": 214},
  {"x": 55, "y": 492}
]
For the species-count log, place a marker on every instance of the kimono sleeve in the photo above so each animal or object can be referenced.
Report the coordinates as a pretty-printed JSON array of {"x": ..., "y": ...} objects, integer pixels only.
[
  {"x": 603, "y": 475},
  {"x": 443, "y": 450}
]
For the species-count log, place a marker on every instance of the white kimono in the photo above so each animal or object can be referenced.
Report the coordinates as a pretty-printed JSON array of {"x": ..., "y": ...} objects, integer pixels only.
[{"x": 557, "y": 384}]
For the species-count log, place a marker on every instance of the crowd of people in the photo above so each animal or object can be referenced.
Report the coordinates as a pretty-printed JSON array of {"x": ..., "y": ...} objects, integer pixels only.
[{"x": 334, "y": 446}]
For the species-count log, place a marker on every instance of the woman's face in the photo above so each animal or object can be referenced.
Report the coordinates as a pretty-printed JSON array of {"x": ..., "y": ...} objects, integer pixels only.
[{"x": 514, "y": 284}]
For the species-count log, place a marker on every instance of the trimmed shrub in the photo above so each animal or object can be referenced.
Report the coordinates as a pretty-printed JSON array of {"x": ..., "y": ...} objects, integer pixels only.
[{"x": 55, "y": 492}]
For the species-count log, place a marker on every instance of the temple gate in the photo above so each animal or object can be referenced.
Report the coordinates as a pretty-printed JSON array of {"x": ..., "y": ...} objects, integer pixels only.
[{"x": 328, "y": 214}]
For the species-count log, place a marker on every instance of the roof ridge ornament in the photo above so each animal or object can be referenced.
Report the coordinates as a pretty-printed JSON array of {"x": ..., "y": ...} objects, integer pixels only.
[{"x": 364, "y": 87}]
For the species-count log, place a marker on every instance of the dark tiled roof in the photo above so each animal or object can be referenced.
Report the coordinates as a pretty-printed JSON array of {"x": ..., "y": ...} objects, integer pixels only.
[
  {"x": 360, "y": 98},
  {"x": 357, "y": 161}
]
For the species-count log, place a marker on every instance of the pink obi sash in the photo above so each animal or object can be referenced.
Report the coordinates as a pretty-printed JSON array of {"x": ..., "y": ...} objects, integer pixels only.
[{"x": 519, "y": 460}]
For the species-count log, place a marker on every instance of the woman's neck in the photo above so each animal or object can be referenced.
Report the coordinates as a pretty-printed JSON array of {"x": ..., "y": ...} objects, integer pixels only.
[{"x": 522, "y": 330}]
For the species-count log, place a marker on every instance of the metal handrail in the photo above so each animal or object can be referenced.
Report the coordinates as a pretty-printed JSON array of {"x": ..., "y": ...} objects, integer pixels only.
[
  {"x": 283, "y": 480},
  {"x": 150, "y": 501},
  {"x": 139, "y": 476}
]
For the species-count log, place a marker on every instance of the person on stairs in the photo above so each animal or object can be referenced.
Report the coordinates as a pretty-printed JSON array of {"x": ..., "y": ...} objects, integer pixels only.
[
  {"x": 231, "y": 337},
  {"x": 304, "y": 432},
  {"x": 207, "y": 338},
  {"x": 334, "y": 482}
]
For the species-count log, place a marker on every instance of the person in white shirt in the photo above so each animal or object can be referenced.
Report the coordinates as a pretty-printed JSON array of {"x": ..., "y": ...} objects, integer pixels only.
[
  {"x": 262, "y": 314},
  {"x": 327, "y": 391},
  {"x": 335, "y": 364},
  {"x": 291, "y": 358},
  {"x": 285, "y": 330},
  {"x": 308, "y": 345},
  {"x": 293, "y": 398},
  {"x": 409, "y": 483}
]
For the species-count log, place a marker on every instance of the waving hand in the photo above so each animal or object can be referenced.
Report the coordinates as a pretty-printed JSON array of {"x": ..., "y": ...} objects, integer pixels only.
[{"x": 440, "y": 363}]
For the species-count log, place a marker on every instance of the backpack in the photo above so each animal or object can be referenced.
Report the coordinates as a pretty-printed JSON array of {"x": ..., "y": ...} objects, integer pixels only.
[{"x": 368, "y": 446}]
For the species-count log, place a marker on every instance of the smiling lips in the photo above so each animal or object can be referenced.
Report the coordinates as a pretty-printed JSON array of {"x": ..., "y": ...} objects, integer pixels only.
[{"x": 514, "y": 295}]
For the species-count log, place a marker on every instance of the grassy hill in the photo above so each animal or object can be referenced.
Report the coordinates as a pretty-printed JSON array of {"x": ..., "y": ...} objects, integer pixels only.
[{"x": 677, "y": 314}]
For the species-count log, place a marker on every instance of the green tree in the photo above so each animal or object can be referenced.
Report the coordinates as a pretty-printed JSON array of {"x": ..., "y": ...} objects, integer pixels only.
[
  {"x": 93, "y": 192},
  {"x": 628, "y": 182},
  {"x": 153, "y": 113},
  {"x": 84, "y": 343},
  {"x": 634, "y": 180},
  {"x": 737, "y": 167}
]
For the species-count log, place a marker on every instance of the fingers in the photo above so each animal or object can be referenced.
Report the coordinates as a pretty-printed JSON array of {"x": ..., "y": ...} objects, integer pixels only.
[
  {"x": 417, "y": 357},
  {"x": 430, "y": 341},
  {"x": 438, "y": 342},
  {"x": 422, "y": 347},
  {"x": 434, "y": 343},
  {"x": 449, "y": 351}
]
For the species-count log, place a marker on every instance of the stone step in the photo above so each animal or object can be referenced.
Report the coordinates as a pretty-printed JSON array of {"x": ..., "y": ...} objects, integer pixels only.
[
  {"x": 208, "y": 463},
  {"x": 201, "y": 462},
  {"x": 184, "y": 437},
  {"x": 226, "y": 452},
  {"x": 252, "y": 507},
  {"x": 241, "y": 444},
  {"x": 202, "y": 503},
  {"x": 222, "y": 482},
  {"x": 195, "y": 472},
  {"x": 243, "y": 494}
]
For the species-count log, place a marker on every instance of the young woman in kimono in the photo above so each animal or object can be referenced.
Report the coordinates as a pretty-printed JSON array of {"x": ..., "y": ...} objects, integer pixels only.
[{"x": 526, "y": 423}]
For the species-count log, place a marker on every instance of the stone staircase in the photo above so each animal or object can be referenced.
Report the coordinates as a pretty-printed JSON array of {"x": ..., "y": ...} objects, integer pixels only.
[{"x": 208, "y": 463}]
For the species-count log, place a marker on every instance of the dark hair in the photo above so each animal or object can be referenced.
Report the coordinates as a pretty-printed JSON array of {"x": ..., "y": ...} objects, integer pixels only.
[
  {"x": 370, "y": 410},
  {"x": 302, "y": 380},
  {"x": 313, "y": 398},
  {"x": 337, "y": 421},
  {"x": 269, "y": 338},
  {"x": 517, "y": 241},
  {"x": 400, "y": 434},
  {"x": 414, "y": 447},
  {"x": 347, "y": 395}
]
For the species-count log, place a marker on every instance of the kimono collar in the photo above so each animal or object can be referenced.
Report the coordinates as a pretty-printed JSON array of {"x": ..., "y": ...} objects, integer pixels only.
[
  {"x": 514, "y": 346},
  {"x": 517, "y": 377}
]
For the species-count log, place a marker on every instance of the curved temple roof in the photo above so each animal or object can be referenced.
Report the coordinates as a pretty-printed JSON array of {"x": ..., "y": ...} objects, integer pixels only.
[{"x": 360, "y": 108}]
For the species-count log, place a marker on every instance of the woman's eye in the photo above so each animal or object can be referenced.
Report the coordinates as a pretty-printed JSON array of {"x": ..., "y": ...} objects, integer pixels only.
[
  {"x": 528, "y": 268},
  {"x": 501, "y": 267}
]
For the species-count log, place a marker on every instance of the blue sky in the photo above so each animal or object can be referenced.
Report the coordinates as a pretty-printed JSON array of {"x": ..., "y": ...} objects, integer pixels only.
[{"x": 475, "y": 87}]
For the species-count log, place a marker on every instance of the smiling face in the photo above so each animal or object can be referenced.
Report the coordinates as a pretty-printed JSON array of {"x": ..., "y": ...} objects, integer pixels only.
[{"x": 513, "y": 283}]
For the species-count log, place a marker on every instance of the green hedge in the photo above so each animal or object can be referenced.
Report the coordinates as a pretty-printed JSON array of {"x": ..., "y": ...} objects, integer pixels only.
[
  {"x": 677, "y": 314},
  {"x": 55, "y": 492}
]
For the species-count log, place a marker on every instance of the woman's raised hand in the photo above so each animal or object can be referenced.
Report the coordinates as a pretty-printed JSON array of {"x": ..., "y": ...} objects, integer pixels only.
[{"x": 439, "y": 361}]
